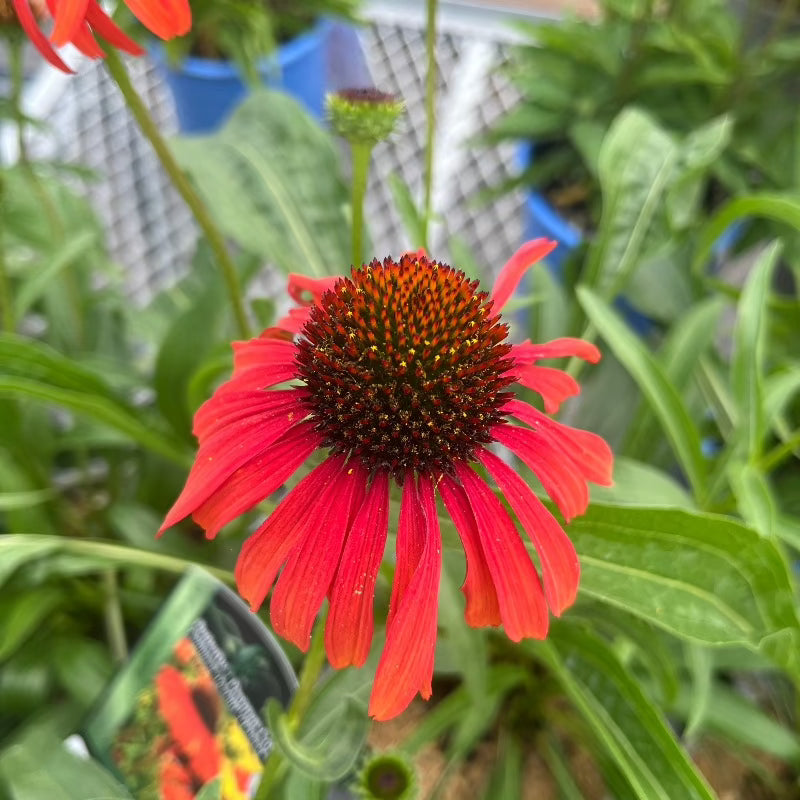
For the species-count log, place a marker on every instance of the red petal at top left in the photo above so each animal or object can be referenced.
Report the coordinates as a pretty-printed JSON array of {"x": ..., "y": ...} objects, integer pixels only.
[{"x": 77, "y": 22}]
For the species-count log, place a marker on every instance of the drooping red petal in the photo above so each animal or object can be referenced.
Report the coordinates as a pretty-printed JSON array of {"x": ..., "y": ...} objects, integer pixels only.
[
  {"x": 316, "y": 287},
  {"x": 104, "y": 27},
  {"x": 560, "y": 568},
  {"x": 348, "y": 633},
  {"x": 482, "y": 608},
  {"x": 83, "y": 38},
  {"x": 68, "y": 16},
  {"x": 406, "y": 665},
  {"x": 258, "y": 479},
  {"x": 523, "y": 608},
  {"x": 301, "y": 510},
  {"x": 223, "y": 409},
  {"x": 527, "y": 353},
  {"x": 510, "y": 275},
  {"x": 311, "y": 565},
  {"x": 557, "y": 473},
  {"x": 410, "y": 542},
  {"x": 28, "y": 23},
  {"x": 228, "y": 449},
  {"x": 554, "y": 385},
  {"x": 165, "y": 19},
  {"x": 589, "y": 452}
]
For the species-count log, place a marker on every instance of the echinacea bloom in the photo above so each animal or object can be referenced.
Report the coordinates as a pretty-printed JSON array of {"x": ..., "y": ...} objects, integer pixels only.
[
  {"x": 77, "y": 21},
  {"x": 401, "y": 372}
]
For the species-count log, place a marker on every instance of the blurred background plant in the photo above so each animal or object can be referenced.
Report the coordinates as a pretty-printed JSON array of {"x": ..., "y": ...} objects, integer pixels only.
[{"x": 684, "y": 646}]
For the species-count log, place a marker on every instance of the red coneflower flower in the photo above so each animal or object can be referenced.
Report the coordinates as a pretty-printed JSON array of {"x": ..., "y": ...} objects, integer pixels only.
[
  {"x": 75, "y": 22},
  {"x": 400, "y": 371}
]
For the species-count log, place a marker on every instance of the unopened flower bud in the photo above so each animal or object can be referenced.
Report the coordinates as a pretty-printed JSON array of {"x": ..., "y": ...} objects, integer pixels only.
[
  {"x": 387, "y": 776},
  {"x": 364, "y": 116}
]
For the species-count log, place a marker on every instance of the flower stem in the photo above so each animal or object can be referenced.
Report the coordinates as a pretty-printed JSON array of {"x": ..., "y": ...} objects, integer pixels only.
[
  {"x": 361, "y": 153},
  {"x": 430, "y": 114},
  {"x": 115, "y": 625},
  {"x": 315, "y": 660},
  {"x": 6, "y": 306},
  {"x": 185, "y": 188}
]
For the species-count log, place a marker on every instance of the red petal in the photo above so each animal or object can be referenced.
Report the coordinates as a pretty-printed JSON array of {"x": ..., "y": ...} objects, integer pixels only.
[
  {"x": 28, "y": 23},
  {"x": 154, "y": 16},
  {"x": 552, "y": 467},
  {"x": 554, "y": 385},
  {"x": 295, "y": 320},
  {"x": 482, "y": 605},
  {"x": 181, "y": 15},
  {"x": 262, "y": 352},
  {"x": 83, "y": 38},
  {"x": 410, "y": 542},
  {"x": 225, "y": 408},
  {"x": 104, "y": 27},
  {"x": 516, "y": 267},
  {"x": 299, "y": 284},
  {"x": 406, "y": 665},
  {"x": 258, "y": 479},
  {"x": 560, "y": 568},
  {"x": 527, "y": 353},
  {"x": 67, "y": 19},
  {"x": 301, "y": 510},
  {"x": 589, "y": 452},
  {"x": 519, "y": 593},
  {"x": 224, "y": 452},
  {"x": 308, "y": 573},
  {"x": 348, "y": 633}
]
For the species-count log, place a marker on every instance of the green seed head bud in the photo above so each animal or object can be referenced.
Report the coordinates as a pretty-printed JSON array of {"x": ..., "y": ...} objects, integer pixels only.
[
  {"x": 364, "y": 116},
  {"x": 387, "y": 776}
]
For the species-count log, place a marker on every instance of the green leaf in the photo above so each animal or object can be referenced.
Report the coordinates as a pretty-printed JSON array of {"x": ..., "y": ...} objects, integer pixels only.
[
  {"x": 755, "y": 501},
  {"x": 773, "y": 206},
  {"x": 749, "y": 346},
  {"x": 271, "y": 180},
  {"x": 654, "y": 384},
  {"x": 18, "y": 549},
  {"x": 41, "y": 278},
  {"x": 42, "y": 768},
  {"x": 701, "y": 668},
  {"x": 99, "y": 408},
  {"x": 635, "y": 164},
  {"x": 505, "y": 782},
  {"x": 211, "y": 791},
  {"x": 702, "y": 577},
  {"x": 13, "y": 500},
  {"x": 23, "y": 613},
  {"x": 639, "y": 484},
  {"x": 329, "y": 754},
  {"x": 413, "y": 219},
  {"x": 620, "y": 715}
]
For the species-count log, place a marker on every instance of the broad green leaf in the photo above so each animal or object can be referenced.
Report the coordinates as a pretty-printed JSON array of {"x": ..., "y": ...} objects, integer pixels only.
[
  {"x": 330, "y": 754},
  {"x": 778, "y": 207},
  {"x": 271, "y": 179},
  {"x": 561, "y": 770},
  {"x": 100, "y": 408},
  {"x": 43, "y": 768},
  {"x": 654, "y": 384},
  {"x": 13, "y": 500},
  {"x": 747, "y": 359},
  {"x": 620, "y": 715},
  {"x": 211, "y": 791},
  {"x": 18, "y": 549},
  {"x": 635, "y": 164},
  {"x": 639, "y": 484},
  {"x": 702, "y": 577}
]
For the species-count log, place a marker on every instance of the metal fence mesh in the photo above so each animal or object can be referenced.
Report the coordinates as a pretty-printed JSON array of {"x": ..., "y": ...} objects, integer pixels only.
[{"x": 150, "y": 231}]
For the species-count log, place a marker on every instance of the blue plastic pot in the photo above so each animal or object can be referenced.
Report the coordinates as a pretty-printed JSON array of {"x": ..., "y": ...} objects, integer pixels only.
[{"x": 207, "y": 91}]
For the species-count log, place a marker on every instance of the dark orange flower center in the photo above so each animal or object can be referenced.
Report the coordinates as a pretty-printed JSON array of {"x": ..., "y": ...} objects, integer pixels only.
[{"x": 405, "y": 365}]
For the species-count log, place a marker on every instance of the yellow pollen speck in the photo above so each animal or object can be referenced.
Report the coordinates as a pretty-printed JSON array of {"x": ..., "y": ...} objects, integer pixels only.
[
  {"x": 452, "y": 351},
  {"x": 436, "y": 357},
  {"x": 374, "y": 348},
  {"x": 350, "y": 471},
  {"x": 470, "y": 324},
  {"x": 427, "y": 343},
  {"x": 351, "y": 335},
  {"x": 412, "y": 351}
]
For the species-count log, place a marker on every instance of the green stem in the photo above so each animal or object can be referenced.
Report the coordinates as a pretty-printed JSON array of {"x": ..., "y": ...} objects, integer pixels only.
[
  {"x": 115, "y": 625},
  {"x": 430, "y": 113},
  {"x": 275, "y": 769},
  {"x": 184, "y": 186},
  {"x": 361, "y": 153},
  {"x": 6, "y": 306}
]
